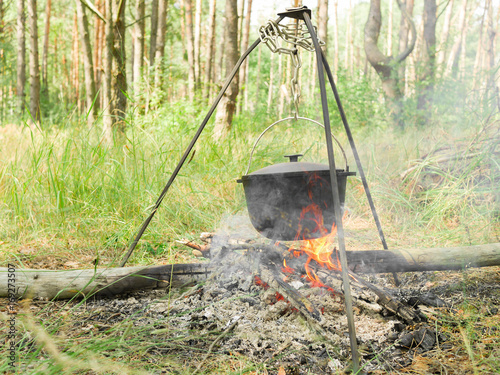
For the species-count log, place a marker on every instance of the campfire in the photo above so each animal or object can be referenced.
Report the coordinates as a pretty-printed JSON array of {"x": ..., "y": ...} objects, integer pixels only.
[{"x": 288, "y": 297}]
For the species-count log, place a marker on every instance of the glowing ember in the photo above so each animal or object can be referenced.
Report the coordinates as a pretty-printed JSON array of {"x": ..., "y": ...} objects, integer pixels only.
[
  {"x": 286, "y": 269},
  {"x": 258, "y": 281}
]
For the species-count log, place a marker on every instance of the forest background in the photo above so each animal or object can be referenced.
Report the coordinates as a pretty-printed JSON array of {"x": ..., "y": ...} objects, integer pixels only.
[{"x": 98, "y": 100}]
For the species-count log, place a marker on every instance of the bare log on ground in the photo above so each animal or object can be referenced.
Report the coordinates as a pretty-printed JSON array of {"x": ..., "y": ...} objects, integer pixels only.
[
  {"x": 48, "y": 284},
  {"x": 67, "y": 284},
  {"x": 418, "y": 260}
]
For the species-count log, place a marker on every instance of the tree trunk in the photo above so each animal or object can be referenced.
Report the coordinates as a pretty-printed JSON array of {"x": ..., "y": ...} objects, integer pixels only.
[
  {"x": 404, "y": 33},
  {"x": 429, "y": 57},
  {"x": 197, "y": 39},
  {"x": 140, "y": 11},
  {"x": 323, "y": 23},
  {"x": 455, "y": 49},
  {"x": 257, "y": 83},
  {"x": 389, "y": 28},
  {"x": 244, "y": 46},
  {"x": 476, "y": 73},
  {"x": 227, "y": 105},
  {"x": 188, "y": 10},
  {"x": 21, "y": 55},
  {"x": 160, "y": 41},
  {"x": 98, "y": 48},
  {"x": 154, "y": 28},
  {"x": 270, "y": 88},
  {"x": 347, "y": 38},
  {"x": 2, "y": 19},
  {"x": 119, "y": 77},
  {"x": 76, "y": 64},
  {"x": 209, "y": 79},
  {"x": 45, "y": 84},
  {"x": 34, "y": 67},
  {"x": 491, "y": 83},
  {"x": 219, "y": 67},
  {"x": 336, "y": 40},
  {"x": 385, "y": 66},
  {"x": 88, "y": 63},
  {"x": 441, "y": 52},
  {"x": 114, "y": 72}
]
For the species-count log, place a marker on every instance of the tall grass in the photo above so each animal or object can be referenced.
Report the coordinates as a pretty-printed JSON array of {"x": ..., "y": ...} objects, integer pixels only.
[{"x": 62, "y": 187}]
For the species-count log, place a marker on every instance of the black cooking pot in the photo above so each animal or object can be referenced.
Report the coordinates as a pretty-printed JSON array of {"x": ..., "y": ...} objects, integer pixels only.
[{"x": 293, "y": 201}]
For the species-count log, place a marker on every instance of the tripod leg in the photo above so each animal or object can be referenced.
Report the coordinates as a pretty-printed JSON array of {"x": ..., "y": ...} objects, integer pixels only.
[
  {"x": 336, "y": 199},
  {"x": 356, "y": 157}
]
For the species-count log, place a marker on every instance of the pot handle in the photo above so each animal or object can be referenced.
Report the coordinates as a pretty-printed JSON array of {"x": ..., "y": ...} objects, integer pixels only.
[{"x": 293, "y": 118}]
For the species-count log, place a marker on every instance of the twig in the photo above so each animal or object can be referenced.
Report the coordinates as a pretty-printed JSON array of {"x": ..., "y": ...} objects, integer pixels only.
[{"x": 193, "y": 245}]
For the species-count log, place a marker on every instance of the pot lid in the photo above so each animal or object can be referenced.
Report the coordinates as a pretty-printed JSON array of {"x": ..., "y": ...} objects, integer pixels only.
[
  {"x": 293, "y": 166},
  {"x": 290, "y": 168}
]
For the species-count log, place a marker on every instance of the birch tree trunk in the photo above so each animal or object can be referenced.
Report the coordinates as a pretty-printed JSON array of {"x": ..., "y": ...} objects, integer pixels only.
[
  {"x": 45, "y": 84},
  {"x": 227, "y": 105},
  {"x": 140, "y": 11},
  {"x": 160, "y": 41},
  {"x": 87, "y": 63},
  {"x": 34, "y": 67},
  {"x": 209, "y": 79},
  {"x": 21, "y": 55}
]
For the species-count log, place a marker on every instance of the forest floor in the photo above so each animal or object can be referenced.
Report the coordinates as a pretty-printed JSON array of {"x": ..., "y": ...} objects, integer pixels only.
[{"x": 174, "y": 331}]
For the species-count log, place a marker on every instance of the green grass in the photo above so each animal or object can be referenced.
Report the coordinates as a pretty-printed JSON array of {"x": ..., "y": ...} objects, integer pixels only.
[
  {"x": 63, "y": 188},
  {"x": 65, "y": 195}
]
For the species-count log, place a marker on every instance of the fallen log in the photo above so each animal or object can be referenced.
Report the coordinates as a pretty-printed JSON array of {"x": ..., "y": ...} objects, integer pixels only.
[
  {"x": 49, "y": 284},
  {"x": 418, "y": 260}
]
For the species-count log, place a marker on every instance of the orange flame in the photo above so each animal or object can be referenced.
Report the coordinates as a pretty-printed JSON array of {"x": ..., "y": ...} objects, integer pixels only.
[{"x": 319, "y": 249}]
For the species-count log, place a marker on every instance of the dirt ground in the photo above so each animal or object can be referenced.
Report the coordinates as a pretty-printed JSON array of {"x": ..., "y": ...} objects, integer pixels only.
[{"x": 233, "y": 316}]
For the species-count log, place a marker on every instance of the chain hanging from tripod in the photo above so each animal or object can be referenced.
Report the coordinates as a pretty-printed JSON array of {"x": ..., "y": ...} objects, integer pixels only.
[{"x": 275, "y": 37}]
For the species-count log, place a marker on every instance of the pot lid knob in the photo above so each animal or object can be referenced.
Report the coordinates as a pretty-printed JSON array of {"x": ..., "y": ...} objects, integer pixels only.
[{"x": 293, "y": 157}]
